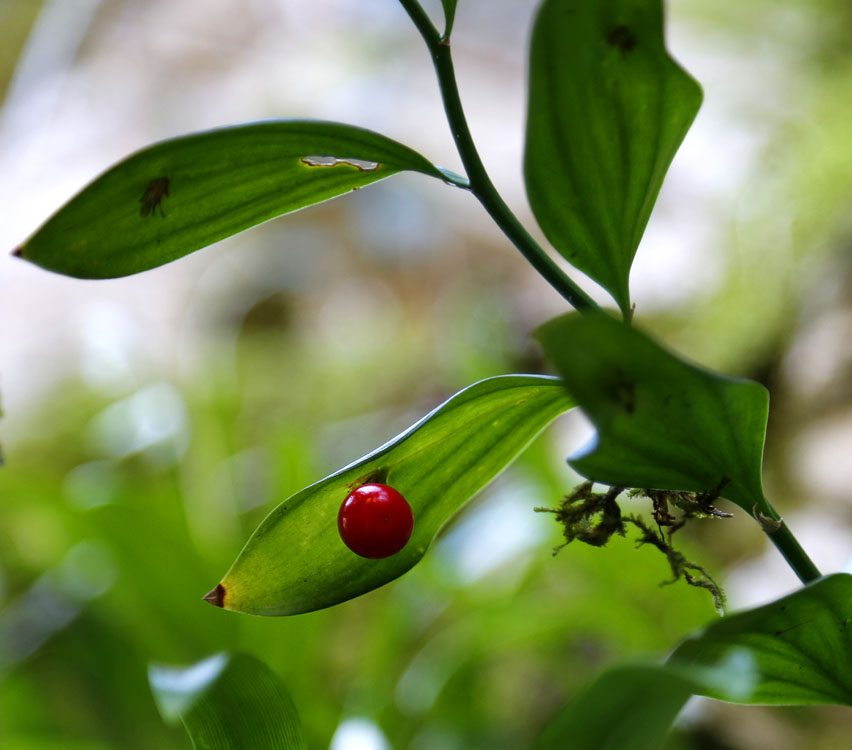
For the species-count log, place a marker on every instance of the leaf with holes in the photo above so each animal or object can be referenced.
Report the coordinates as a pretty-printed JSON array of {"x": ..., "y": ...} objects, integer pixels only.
[
  {"x": 661, "y": 422},
  {"x": 228, "y": 702},
  {"x": 180, "y": 195},
  {"x": 296, "y": 560},
  {"x": 608, "y": 109},
  {"x": 801, "y": 646}
]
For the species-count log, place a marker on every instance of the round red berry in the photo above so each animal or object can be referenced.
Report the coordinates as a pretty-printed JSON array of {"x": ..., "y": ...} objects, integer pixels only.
[{"x": 375, "y": 521}]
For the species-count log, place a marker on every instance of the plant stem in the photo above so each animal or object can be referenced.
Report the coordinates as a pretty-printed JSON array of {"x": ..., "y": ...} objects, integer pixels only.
[
  {"x": 787, "y": 544},
  {"x": 480, "y": 183},
  {"x": 795, "y": 556}
]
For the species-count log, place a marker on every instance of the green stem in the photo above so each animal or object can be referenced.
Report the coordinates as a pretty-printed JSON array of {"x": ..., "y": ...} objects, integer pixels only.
[
  {"x": 480, "y": 183},
  {"x": 787, "y": 544}
]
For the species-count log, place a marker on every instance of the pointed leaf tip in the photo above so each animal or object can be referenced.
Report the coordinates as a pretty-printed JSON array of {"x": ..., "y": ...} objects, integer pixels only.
[
  {"x": 296, "y": 561},
  {"x": 608, "y": 109},
  {"x": 661, "y": 421},
  {"x": 18, "y": 252},
  {"x": 201, "y": 188},
  {"x": 216, "y": 597}
]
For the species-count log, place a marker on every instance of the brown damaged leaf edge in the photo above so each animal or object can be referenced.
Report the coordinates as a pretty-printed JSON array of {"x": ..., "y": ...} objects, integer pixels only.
[
  {"x": 216, "y": 597},
  {"x": 18, "y": 252}
]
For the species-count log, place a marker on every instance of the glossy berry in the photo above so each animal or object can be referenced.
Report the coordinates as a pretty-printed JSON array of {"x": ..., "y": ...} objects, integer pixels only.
[{"x": 375, "y": 521}]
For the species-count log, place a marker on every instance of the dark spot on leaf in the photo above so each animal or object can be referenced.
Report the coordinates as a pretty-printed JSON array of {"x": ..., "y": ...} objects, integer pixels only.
[
  {"x": 153, "y": 196},
  {"x": 621, "y": 37},
  {"x": 216, "y": 597},
  {"x": 17, "y": 252},
  {"x": 624, "y": 394}
]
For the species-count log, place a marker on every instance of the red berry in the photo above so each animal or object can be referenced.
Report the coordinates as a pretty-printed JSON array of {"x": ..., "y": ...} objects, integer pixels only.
[{"x": 375, "y": 521}]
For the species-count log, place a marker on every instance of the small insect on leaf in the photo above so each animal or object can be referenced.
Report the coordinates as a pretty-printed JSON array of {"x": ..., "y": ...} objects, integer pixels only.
[{"x": 153, "y": 196}]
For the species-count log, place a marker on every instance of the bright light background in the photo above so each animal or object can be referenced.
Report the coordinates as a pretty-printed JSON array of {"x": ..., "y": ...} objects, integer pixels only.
[
  {"x": 735, "y": 260},
  {"x": 98, "y": 79}
]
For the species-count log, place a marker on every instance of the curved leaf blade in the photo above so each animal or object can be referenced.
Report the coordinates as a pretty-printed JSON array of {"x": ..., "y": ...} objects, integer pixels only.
[
  {"x": 645, "y": 699},
  {"x": 625, "y": 707},
  {"x": 794, "y": 651},
  {"x": 662, "y": 423},
  {"x": 228, "y": 702},
  {"x": 608, "y": 109},
  {"x": 801, "y": 646},
  {"x": 183, "y": 194},
  {"x": 296, "y": 562}
]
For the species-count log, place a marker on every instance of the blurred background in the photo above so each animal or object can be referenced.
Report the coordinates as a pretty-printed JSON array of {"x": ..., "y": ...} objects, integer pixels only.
[{"x": 151, "y": 422}]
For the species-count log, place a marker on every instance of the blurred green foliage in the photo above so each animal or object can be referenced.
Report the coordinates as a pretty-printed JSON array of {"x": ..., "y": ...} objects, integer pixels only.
[
  {"x": 109, "y": 536},
  {"x": 228, "y": 701},
  {"x": 443, "y": 657}
]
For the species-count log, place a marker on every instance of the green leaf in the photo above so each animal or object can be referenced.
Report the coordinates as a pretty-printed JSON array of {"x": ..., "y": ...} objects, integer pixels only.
[
  {"x": 801, "y": 646},
  {"x": 50, "y": 742},
  {"x": 794, "y": 651},
  {"x": 180, "y": 195},
  {"x": 662, "y": 423},
  {"x": 296, "y": 562},
  {"x": 228, "y": 702},
  {"x": 449, "y": 17},
  {"x": 634, "y": 706},
  {"x": 608, "y": 109},
  {"x": 626, "y": 707}
]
